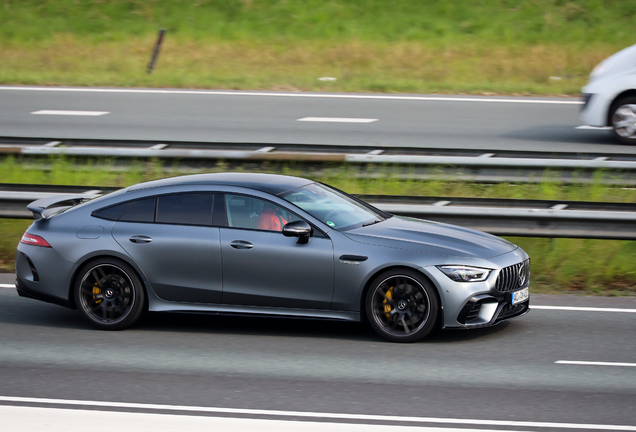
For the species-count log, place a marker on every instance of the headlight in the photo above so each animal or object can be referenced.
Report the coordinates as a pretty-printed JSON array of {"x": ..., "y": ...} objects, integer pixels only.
[{"x": 460, "y": 273}]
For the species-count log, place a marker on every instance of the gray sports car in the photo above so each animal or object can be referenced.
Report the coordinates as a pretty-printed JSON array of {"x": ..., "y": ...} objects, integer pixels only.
[{"x": 265, "y": 244}]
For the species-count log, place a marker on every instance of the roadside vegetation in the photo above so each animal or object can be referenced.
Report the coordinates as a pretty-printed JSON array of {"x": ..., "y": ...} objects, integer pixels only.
[
  {"x": 599, "y": 267},
  {"x": 479, "y": 47}
]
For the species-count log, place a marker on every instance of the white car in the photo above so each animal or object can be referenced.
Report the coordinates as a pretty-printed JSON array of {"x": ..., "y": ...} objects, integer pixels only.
[{"x": 610, "y": 95}]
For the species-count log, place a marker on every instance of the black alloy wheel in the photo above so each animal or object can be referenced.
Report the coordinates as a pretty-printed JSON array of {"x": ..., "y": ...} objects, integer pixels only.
[
  {"x": 402, "y": 306},
  {"x": 109, "y": 293},
  {"x": 623, "y": 120}
]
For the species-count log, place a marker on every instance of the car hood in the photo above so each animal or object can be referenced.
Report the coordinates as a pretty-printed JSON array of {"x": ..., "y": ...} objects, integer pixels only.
[
  {"x": 431, "y": 237},
  {"x": 622, "y": 61}
]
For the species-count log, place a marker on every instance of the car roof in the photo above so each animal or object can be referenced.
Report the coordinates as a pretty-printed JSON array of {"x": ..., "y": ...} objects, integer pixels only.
[{"x": 270, "y": 183}]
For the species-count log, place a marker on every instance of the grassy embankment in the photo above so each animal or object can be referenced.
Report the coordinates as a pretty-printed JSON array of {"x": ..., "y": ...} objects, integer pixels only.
[
  {"x": 558, "y": 265},
  {"x": 481, "y": 47}
]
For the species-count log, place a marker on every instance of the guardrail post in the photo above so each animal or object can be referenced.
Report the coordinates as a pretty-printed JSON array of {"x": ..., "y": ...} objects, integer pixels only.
[{"x": 155, "y": 52}]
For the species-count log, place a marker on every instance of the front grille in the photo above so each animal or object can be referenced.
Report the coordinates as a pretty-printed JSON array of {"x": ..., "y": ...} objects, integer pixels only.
[{"x": 509, "y": 277}]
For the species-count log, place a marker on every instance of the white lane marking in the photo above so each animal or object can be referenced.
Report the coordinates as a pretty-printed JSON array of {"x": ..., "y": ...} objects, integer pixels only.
[
  {"x": 563, "y": 308},
  {"x": 52, "y": 144},
  {"x": 586, "y": 127},
  {"x": 19, "y": 419},
  {"x": 304, "y": 414},
  {"x": 584, "y": 309},
  {"x": 70, "y": 113},
  {"x": 587, "y": 363},
  {"x": 297, "y": 95},
  {"x": 337, "y": 120}
]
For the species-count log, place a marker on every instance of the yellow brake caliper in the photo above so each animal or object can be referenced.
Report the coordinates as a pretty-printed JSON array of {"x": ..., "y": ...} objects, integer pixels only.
[
  {"x": 96, "y": 291},
  {"x": 387, "y": 307}
]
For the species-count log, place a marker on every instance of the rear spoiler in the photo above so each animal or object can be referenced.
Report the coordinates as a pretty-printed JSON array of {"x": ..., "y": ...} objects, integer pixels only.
[{"x": 46, "y": 207}]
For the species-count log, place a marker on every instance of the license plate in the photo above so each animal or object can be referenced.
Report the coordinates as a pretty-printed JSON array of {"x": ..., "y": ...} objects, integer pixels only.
[{"x": 520, "y": 296}]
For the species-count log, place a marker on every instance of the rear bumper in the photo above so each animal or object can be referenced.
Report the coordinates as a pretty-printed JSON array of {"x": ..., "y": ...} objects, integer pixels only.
[
  {"x": 40, "y": 275},
  {"x": 25, "y": 291}
]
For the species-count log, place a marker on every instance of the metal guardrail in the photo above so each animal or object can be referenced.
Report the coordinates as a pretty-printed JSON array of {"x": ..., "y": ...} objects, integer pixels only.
[
  {"x": 15, "y": 197},
  {"x": 483, "y": 165},
  {"x": 525, "y": 218}
]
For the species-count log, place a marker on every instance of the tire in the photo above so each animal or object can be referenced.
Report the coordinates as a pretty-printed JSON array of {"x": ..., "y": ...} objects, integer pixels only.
[
  {"x": 109, "y": 294},
  {"x": 623, "y": 120},
  {"x": 402, "y": 306}
]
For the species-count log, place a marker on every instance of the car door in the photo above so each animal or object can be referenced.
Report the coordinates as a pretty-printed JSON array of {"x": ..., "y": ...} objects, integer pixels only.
[
  {"x": 172, "y": 239},
  {"x": 261, "y": 267}
]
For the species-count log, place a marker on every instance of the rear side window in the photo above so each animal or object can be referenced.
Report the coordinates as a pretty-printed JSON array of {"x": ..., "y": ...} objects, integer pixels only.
[
  {"x": 136, "y": 211},
  {"x": 112, "y": 213},
  {"x": 185, "y": 209},
  {"x": 140, "y": 211}
]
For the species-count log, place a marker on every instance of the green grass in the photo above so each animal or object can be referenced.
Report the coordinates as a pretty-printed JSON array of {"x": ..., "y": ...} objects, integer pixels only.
[
  {"x": 438, "y": 21},
  {"x": 482, "y": 47},
  {"x": 600, "y": 267}
]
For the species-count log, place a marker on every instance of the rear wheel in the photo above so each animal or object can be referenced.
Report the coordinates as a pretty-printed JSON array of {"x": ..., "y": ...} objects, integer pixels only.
[
  {"x": 402, "y": 306},
  {"x": 623, "y": 120},
  {"x": 109, "y": 294}
]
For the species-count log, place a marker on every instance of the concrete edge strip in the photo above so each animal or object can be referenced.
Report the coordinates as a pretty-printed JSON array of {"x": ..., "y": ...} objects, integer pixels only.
[
  {"x": 25, "y": 418},
  {"x": 321, "y": 415},
  {"x": 293, "y": 95}
]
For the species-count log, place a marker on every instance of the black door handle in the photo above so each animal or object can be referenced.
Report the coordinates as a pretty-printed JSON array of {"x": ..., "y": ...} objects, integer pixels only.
[
  {"x": 140, "y": 239},
  {"x": 241, "y": 244}
]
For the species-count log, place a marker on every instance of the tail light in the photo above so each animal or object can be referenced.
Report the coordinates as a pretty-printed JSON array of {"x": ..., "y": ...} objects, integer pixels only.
[{"x": 34, "y": 240}]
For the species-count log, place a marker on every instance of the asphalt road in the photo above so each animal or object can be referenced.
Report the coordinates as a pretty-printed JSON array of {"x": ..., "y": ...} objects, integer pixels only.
[
  {"x": 488, "y": 123},
  {"x": 502, "y": 378},
  {"x": 506, "y": 373}
]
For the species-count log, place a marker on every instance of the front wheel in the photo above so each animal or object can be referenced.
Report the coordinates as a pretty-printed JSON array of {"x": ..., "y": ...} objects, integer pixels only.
[
  {"x": 402, "y": 306},
  {"x": 109, "y": 294},
  {"x": 623, "y": 119}
]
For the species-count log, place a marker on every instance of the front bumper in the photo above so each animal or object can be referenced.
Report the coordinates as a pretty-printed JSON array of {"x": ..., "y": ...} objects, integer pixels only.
[
  {"x": 594, "y": 110},
  {"x": 486, "y": 303},
  {"x": 486, "y": 310}
]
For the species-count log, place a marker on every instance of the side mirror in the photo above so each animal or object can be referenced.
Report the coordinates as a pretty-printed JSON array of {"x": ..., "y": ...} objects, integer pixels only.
[{"x": 300, "y": 229}]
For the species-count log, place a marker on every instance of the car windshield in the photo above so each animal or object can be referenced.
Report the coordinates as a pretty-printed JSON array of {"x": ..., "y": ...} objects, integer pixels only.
[{"x": 332, "y": 207}]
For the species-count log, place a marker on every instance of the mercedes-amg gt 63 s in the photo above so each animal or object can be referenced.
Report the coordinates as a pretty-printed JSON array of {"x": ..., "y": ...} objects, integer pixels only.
[{"x": 265, "y": 244}]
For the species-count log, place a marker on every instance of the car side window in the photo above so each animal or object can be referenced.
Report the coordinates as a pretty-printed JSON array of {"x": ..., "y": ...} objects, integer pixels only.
[
  {"x": 140, "y": 211},
  {"x": 135, "y": 211},
  {"x": 185, "y": 209},
  {"x": 254, "y": 213}
]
